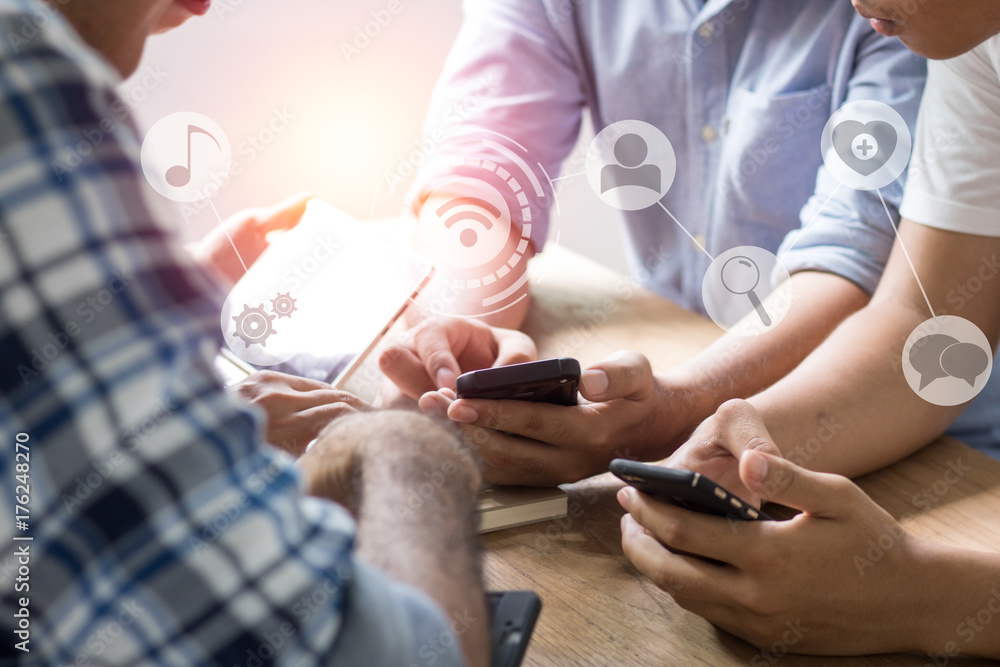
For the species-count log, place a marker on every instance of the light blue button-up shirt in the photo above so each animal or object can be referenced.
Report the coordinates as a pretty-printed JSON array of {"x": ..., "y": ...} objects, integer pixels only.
[{"x": 741, "y": 88}]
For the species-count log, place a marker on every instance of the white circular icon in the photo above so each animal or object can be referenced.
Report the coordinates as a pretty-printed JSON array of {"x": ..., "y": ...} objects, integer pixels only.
[
  {"x": 947, "y": 360},
  {"x": 477, "y": 225},
  {"x": 631, "y": 165},
  {"x": 746, "y": 291},
  {"x": 186, "y": 156},
  {"x": 259, "y": 324},
  {"x": 866, "y": 145},
  {"x": 465, "y": 223}
]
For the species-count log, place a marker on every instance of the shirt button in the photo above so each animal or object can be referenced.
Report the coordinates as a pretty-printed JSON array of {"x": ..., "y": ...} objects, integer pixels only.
[
  {"x": 709, "y": 134},
  {"x": 705, "y": 30}
]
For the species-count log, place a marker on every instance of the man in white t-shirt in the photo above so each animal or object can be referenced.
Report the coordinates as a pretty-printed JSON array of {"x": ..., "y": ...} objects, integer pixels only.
[{"x": 844, "y": 577}]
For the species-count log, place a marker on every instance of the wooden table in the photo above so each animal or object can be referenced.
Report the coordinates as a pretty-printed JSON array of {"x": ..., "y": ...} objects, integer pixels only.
[{"x": 597, "y": 610}]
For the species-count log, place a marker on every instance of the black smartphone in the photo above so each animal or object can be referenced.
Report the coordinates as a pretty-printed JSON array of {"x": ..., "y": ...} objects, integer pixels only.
[
  {"x": 512, "y": 620},
  {"x": 684, "y": 488},
  {"x": 549, "y": 381}
]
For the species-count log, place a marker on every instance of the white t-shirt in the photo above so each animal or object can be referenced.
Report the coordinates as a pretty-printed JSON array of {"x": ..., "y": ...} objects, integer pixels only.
[{"x": 954, "y": 176}]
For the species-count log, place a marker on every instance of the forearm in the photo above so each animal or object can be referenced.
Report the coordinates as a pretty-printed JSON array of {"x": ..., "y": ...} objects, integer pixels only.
[
  {"x": 960, "y": 608},
  {"x": 847, "y": 408},
  {"x": 417, "y": 519},
  {"x": 738, "y": 367}
]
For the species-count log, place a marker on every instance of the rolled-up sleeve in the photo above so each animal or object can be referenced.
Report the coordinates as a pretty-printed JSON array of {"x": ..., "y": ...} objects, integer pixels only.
[
  {"x": 511, "y": 72},
  {"x": 389, "y": 623},
  {"x": 846, "y": 231}
]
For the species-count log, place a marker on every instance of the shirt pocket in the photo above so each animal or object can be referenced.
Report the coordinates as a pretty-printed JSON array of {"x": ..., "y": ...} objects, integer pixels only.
[{"x": 770, "y": 155}]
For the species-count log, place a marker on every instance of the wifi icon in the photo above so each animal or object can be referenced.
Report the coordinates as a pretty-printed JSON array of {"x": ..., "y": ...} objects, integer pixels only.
[{"x": 468, "y": 237}]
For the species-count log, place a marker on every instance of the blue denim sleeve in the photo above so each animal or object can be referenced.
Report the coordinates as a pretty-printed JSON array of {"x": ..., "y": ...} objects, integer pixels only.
[
  {"x": 846, "y": 231},
  {"x": 392, "y": 624}
]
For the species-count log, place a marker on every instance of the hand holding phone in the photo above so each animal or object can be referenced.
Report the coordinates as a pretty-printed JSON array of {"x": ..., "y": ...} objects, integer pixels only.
[
  {"x": 550, "y": 381},
  {"x": 684, "y": 488}
]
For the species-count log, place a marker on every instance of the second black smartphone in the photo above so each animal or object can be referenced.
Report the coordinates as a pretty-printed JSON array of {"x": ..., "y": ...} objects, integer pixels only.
[
  {"x": 549, "y": 381},
  {"x": 685, "y": 488},
  {"x": 513, "y": 615}
]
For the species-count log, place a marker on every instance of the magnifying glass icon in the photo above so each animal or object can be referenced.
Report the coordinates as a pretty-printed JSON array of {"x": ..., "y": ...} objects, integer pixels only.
[{"x": 740, "y": 275}]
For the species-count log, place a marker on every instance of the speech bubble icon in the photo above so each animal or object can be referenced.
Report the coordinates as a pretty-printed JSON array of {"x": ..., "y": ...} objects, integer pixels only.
[
  {"x": 925, "y": 357},
  {"x": 964, "y": 360}
]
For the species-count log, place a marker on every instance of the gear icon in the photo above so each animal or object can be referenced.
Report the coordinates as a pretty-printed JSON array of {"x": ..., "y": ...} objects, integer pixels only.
[
  {"x": 283, "y": 305},
  {"x": 253, "y": 325}
]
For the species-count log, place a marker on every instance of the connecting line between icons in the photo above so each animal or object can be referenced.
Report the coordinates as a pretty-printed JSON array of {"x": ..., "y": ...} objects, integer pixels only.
[
  {"x": 683, "y": 229},
  {"x": 563, "y": 178},
  {"x": 811, "y": 220},
  {"x": 228, "y": 236},
  {"x": 906, "y": 254}
]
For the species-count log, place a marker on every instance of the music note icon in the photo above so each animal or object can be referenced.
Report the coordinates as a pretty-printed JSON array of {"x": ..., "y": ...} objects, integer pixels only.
[{"x": 180, "y": 175}]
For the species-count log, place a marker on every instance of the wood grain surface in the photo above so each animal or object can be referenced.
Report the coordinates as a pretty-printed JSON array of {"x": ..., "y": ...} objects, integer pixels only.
[{"x": 596, "y": 609}]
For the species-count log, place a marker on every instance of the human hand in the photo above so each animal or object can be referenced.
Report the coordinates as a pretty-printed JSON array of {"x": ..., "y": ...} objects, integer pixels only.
[
  {"x": 715, "y": 446},
  {"x": 626, "y": 412},
  {"x": 807, "y": 582},
  {"x": 434, "y": 353},
  {"x": 297, "y": 408},
  {"x": 248, "y": 232}
]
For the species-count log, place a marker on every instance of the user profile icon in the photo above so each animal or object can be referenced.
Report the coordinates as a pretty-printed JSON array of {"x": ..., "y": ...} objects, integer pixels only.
[
  {"x": 631, "y": 165},
  {"x": 866, "y": 145},
  {"x": 746, "y": 291},
  {"x": 947, "y": 360}
]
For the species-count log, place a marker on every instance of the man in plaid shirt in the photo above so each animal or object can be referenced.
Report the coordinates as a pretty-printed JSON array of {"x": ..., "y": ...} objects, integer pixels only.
[{"x": 163, "y": 529}]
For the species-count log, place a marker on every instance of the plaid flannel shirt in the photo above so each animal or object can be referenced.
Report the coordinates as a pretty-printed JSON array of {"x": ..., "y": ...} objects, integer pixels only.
[{"x": 164, "y": 530}]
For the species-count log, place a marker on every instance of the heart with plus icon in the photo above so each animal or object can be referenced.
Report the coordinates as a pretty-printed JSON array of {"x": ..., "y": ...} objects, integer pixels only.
[{"x": 864, "y": 147}]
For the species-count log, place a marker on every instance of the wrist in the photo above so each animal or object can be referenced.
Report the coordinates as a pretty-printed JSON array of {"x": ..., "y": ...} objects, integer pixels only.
[
  {"x": 959, "y": 590},
  {"x": 681, "y": 405}
]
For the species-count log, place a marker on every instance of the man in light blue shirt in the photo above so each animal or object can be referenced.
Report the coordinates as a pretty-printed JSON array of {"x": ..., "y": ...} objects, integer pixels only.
[{"x": 743, "y": 91}]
